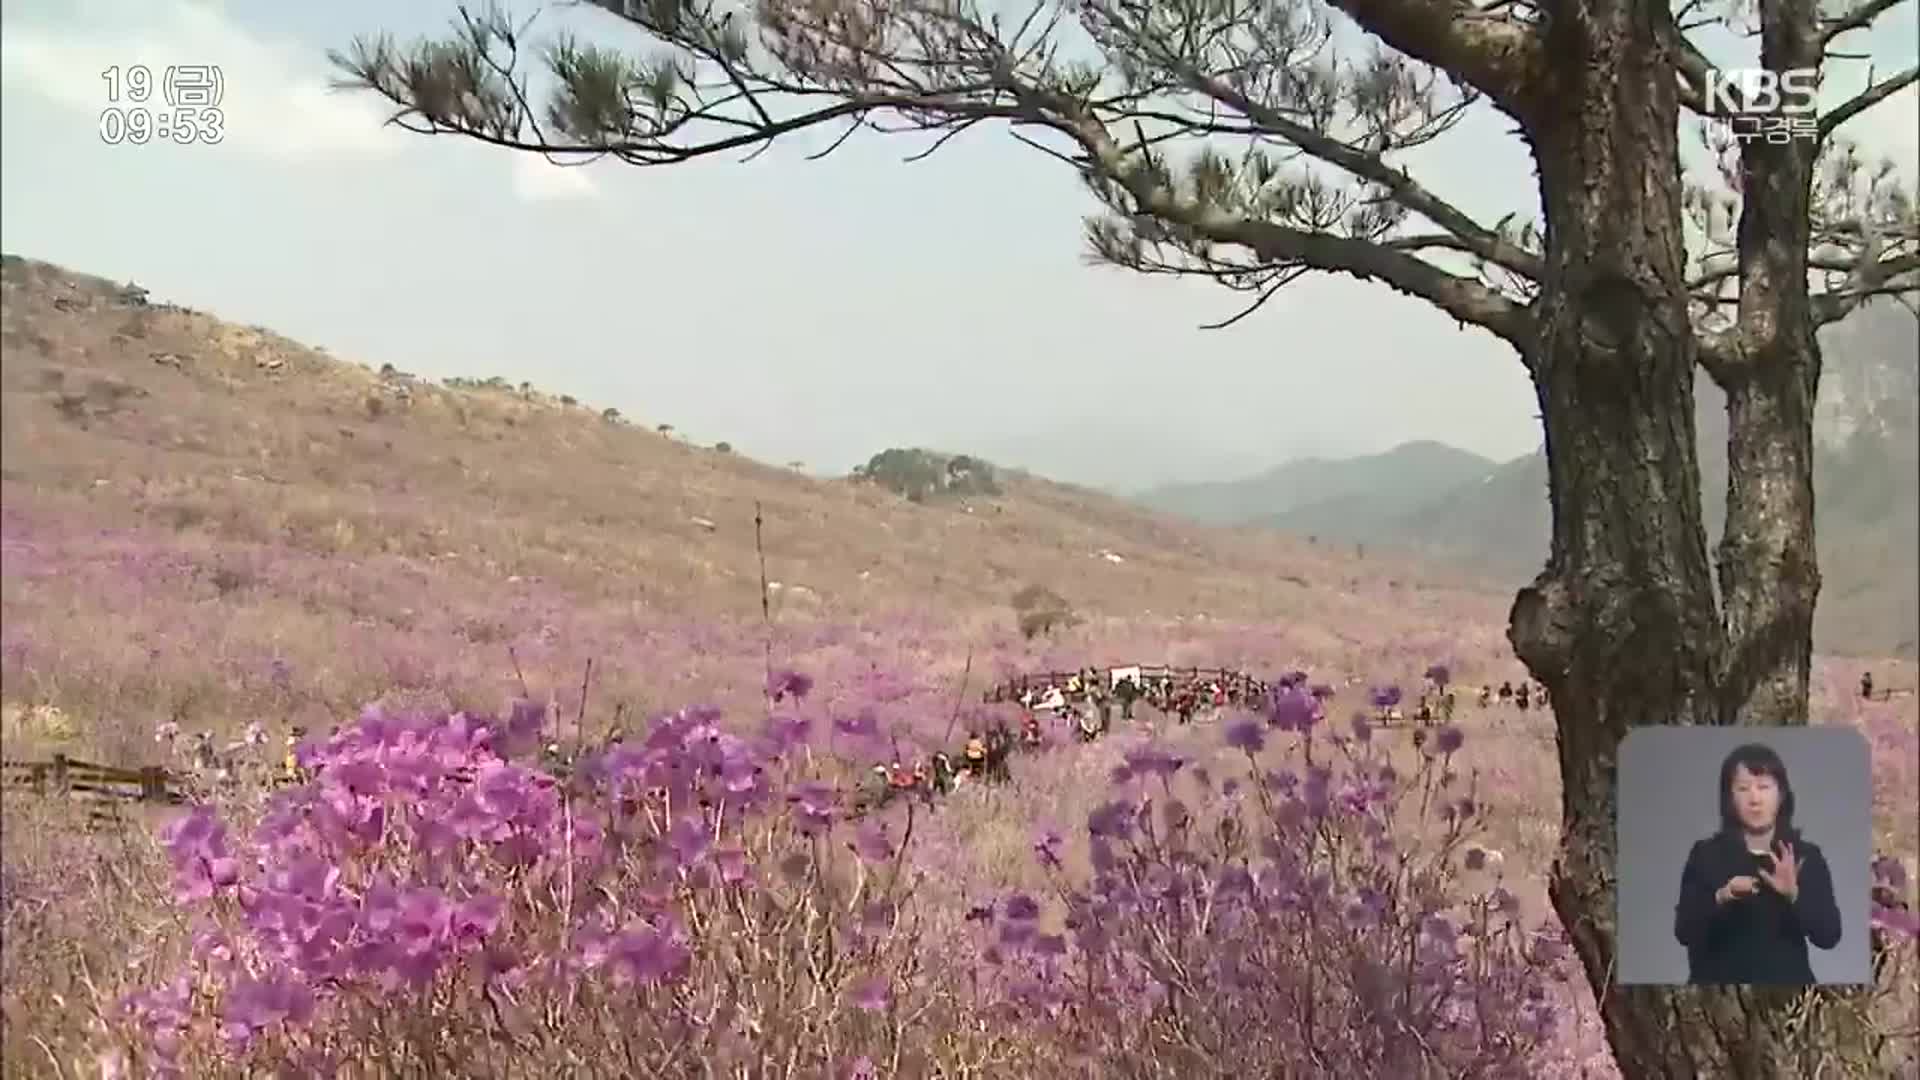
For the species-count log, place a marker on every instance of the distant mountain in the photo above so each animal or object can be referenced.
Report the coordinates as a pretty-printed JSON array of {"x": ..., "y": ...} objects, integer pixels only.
[
  {"x": 1495, "y": 520},
  {"x": 1110, "y": 454},
  {"x": 1316, "y": 494},
  {"x": 1866, "y": 474}
]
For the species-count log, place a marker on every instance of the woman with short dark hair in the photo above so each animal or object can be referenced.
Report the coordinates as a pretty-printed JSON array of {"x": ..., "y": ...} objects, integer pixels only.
[{"x": 1755, "y": 893}]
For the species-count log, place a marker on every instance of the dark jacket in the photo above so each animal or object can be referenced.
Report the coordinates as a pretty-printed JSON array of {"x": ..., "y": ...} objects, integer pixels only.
[{"x": 1759, "y": 938}]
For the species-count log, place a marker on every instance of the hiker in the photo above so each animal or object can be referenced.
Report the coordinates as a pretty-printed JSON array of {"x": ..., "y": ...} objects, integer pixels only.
[
  {"x": 1506, "y": 692},
  {"x": 1446, "y": 707},
  {"x": 290, "y": 770},
  {"x": 1088, "y": 723},
  {"x": 974, "y": 757},
  {"x": 206, "y": 759},
  {"x": 945, "y": 779},
  {"x": 1129, "y": 692},
  {"x": 1231, "y": 833},
  {"x": 1424, "y": 714},
  {"x": 1486, "y": 697},
  {"x": 1866, "y": 685},
  {"x": 877, "y": 789},
  {"x": 999, "y": 748},
  {"x": 1520, "y": 697},
  {"x": 899, "y": 781},
  {"x": 1030, "y": 730}
]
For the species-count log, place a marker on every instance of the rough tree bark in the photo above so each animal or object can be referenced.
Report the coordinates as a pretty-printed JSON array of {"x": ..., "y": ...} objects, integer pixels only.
[
  {"x": 1621, "y": 626},
  {"x": 1769, "y": 573}
]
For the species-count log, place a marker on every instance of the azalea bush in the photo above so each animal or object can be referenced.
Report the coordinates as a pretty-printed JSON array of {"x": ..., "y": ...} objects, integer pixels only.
[
  {"x": 429, "y": 904},
  {"x": 1325, "y": 914},
  {"x": 443, "y": 895}
]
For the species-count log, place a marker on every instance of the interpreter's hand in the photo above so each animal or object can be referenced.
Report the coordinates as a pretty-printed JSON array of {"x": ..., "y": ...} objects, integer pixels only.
[
  {"x": 1737, "y": 887},
  {"x": 1784, "y": 878}
]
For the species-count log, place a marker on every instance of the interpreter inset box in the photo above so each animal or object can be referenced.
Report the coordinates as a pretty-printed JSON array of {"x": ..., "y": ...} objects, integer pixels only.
[{"x": 1745, "y": 856}]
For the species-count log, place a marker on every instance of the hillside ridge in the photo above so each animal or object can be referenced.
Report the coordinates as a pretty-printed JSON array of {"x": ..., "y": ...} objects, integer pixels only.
[{"x": 136, "y": 414}]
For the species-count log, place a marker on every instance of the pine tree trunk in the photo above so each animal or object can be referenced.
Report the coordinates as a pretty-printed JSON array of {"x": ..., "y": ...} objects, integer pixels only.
[
  {"x": 1621, "y": 626},
  {"x": 1769, "y": 571}
]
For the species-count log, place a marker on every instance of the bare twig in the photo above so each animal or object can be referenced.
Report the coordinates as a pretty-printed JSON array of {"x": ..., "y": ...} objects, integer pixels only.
[
  {"x": 580, "y": 715},
  {"x": 1856, "y": 18},
  {"x": 1867, "y": 99},
  {"x": 517, "y": 673},
  {"x": 959, "y": 696},
  {"x": 766, "y": 604}
]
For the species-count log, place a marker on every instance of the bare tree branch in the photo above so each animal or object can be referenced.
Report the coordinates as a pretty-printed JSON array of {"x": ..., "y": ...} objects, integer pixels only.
[
  {"x": 1867, "y": 99},
  {"x": 1834, "y": 264},
  {"x": 1899, "y": 276},
  {"x": 1497, "y": 54},
  {"x": 1858, "y": 18}
]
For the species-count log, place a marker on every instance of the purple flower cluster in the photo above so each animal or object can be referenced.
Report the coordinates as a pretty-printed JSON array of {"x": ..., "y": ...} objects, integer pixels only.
[
  {"x": 424, "y": 872},
  {"x": 1893, "y": 914},
  {"x": 1292, "y": 707},
  {"x": 1285, "y": 919},
  {"x": 698, "y": 891}
]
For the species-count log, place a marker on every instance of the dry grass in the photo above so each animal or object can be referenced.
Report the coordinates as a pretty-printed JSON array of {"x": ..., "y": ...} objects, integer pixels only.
[{"x": 245, "y": 535}]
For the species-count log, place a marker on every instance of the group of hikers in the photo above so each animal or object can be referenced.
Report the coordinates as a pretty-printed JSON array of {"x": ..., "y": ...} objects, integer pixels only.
[
  {"x": 1523, "y": 696},
  {"x": 1438, "y": 700},
  {"x": 1092, "y": 694},
  {"x": 1088, "y": 699}
]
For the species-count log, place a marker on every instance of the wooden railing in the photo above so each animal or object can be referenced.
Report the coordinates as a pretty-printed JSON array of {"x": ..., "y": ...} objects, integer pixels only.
[
  {"x": 105, "y": 789},
  {"x": 1012, "y": 688}
]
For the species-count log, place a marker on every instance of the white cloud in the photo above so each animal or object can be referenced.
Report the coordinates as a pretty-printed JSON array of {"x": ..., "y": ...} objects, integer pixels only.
[
  {"x": 277, "y": 101},
  {"x": 536, "y": 179}
]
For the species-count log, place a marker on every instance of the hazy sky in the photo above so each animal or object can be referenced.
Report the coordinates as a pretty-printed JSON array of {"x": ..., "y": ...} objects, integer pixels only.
[{"x": 810, "y": 311}]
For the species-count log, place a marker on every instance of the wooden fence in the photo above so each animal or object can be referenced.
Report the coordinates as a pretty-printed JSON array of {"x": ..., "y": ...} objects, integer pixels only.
[{"x": 105, "y": 789}]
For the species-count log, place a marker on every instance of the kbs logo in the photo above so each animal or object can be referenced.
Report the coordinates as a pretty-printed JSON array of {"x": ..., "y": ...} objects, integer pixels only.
[{"x": 1777, "y": 106}]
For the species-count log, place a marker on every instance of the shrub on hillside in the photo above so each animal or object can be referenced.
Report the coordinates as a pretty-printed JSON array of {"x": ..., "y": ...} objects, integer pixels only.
[
  {"x": 1039, "y": 611},
  {"x": 1279, "y": 926},
  {"x": 430, "y": 897},
  {"x": 432, "y": 903},
  {"x": 919, "y": 475}
]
